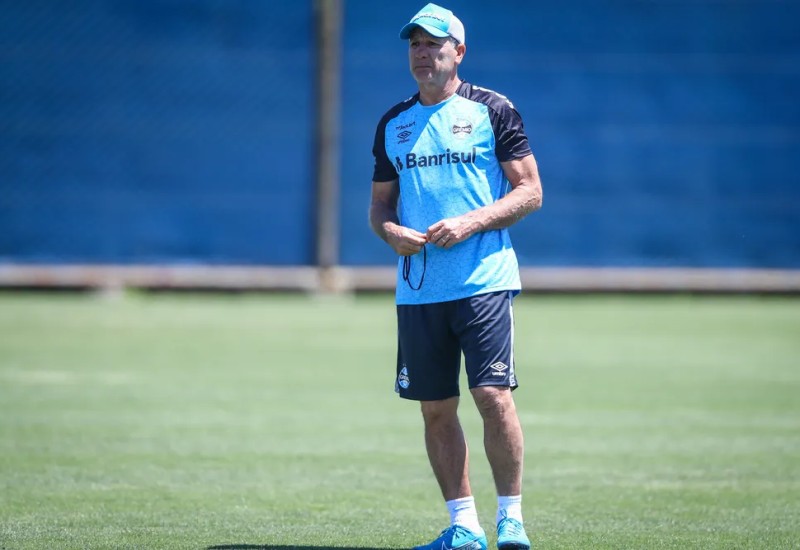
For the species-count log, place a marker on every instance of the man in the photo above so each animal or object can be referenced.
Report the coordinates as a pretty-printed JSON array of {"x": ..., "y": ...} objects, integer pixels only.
[{"x": 453, "y": 170}]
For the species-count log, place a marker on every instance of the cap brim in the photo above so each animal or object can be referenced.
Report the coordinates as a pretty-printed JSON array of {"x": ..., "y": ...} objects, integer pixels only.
[{"x": 406, "y": 31}]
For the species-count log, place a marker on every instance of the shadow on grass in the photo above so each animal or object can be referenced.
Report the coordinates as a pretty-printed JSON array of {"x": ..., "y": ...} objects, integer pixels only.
[{"x": 272, "y": 547}]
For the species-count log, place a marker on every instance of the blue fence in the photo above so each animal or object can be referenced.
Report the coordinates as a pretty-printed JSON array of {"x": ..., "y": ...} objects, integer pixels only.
[
  {"x": 667, "y": 133},
  {"x": 156, "y": 131}
]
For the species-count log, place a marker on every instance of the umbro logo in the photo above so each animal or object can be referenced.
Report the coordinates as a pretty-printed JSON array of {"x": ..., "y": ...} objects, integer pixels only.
[
  {"x": 499, "y": 368},
  {"x": 405, "y": 133}
]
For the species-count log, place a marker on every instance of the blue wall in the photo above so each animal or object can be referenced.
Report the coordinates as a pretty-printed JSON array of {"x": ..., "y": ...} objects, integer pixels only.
[
  {"x": 667, "y": 133},
  {"x": 156, "y": 131}
]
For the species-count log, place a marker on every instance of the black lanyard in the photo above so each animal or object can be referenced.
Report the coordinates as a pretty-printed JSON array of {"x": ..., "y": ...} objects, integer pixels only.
[{"x": 407, "y": 269}]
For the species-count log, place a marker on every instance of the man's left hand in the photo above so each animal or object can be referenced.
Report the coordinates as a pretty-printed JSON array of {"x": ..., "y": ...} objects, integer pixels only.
[{"x": 449, "y": 232}]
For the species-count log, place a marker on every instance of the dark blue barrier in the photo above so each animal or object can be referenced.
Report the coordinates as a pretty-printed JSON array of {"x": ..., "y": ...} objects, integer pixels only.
[
  {"x": 667, "y": 134},
  {"x": 156, "y": 131}
]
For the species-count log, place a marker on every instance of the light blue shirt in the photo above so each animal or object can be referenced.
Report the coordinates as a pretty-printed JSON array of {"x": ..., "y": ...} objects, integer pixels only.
[{"x": 447, "y": 160}]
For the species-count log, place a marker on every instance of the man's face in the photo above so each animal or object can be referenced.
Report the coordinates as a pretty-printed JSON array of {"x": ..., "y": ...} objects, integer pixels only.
[{"x": 432, "y": 59}]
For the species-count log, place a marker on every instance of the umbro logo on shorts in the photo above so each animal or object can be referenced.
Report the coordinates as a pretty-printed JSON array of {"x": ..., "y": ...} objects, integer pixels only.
[{"x": 499, "y": 368}]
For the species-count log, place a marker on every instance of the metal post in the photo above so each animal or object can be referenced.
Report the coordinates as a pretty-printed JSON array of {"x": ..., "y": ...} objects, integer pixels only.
[{"x": 328, "y": 15}]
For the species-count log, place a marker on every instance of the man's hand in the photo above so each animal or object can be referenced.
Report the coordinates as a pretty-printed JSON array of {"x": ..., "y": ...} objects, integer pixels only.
[
  {"x": 525, "y": 197},
  {"x": 451, "y": 231},
  {"x": 383, "y": 220},
  {"x": 404, "y": 240}
]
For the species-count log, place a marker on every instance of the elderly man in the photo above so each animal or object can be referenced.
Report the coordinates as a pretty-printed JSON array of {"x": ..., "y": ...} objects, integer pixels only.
[{"x": 453, "y": 170}]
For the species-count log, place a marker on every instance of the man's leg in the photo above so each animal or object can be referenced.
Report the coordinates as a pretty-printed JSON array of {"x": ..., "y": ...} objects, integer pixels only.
[
  {"x": 449, "y": 458},
  {"x": 502, "y": 437},
  {"x": 447, "y": 447},
  {"x": 503, "y": 440}
]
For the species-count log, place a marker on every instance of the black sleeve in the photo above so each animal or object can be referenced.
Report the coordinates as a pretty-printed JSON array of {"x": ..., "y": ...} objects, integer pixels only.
[
  {"x": 384, "y": 169},
  {"x": 510, "y": 139}
]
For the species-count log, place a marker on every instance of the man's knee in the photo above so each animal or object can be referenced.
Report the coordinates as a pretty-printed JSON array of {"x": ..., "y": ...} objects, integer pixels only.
[
  {"x": 438, "y": 412},
  {"x": 493, "y": 401}
]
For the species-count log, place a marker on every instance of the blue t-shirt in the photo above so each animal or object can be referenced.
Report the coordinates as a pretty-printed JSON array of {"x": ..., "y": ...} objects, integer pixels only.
[{"x": 447, "y": 159}]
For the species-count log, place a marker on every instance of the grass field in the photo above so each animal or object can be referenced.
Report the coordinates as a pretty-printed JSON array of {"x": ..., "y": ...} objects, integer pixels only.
[{"x": 259, "y": 421}]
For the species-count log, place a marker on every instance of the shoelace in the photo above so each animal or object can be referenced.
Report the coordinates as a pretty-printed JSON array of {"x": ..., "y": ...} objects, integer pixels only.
[
  {"x": 450, "y": 533},
  {"x": 458, "y": 530},
  {"x": 510, "y": 526}
]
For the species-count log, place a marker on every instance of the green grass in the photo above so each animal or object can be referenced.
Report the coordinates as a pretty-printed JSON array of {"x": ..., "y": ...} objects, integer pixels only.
[{"x": 253, "y": 421}]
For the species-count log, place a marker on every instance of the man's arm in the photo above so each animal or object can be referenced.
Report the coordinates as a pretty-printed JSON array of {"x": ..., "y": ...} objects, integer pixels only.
[
  {"x": 384, "y": 221},
  {"x": 525, "y": 197}
]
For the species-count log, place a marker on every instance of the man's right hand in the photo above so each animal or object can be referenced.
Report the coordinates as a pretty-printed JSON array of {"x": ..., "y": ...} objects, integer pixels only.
[{"x": 404, "y": 240}]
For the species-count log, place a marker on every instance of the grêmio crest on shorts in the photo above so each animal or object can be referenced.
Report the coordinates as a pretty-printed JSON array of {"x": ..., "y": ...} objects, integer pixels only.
[{"x": 446, "y": 158}]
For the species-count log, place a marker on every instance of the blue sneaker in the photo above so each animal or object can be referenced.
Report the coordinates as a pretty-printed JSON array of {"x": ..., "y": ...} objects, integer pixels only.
[
  {"x": 456, "y": 537},
  {"x": 511, "y": 535}
]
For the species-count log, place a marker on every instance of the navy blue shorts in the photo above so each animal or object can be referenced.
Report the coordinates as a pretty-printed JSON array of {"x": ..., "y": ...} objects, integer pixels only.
[{"x": 432, "y": 337}]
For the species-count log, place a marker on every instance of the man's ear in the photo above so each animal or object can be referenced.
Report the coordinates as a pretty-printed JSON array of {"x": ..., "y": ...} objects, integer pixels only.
[{"x": 461, "y": 49}]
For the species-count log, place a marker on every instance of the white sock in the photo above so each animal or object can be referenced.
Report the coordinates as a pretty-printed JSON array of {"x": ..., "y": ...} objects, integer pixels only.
[
  {"x": 464, "y": 513},
  {"x": 509, "y": 507}
]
